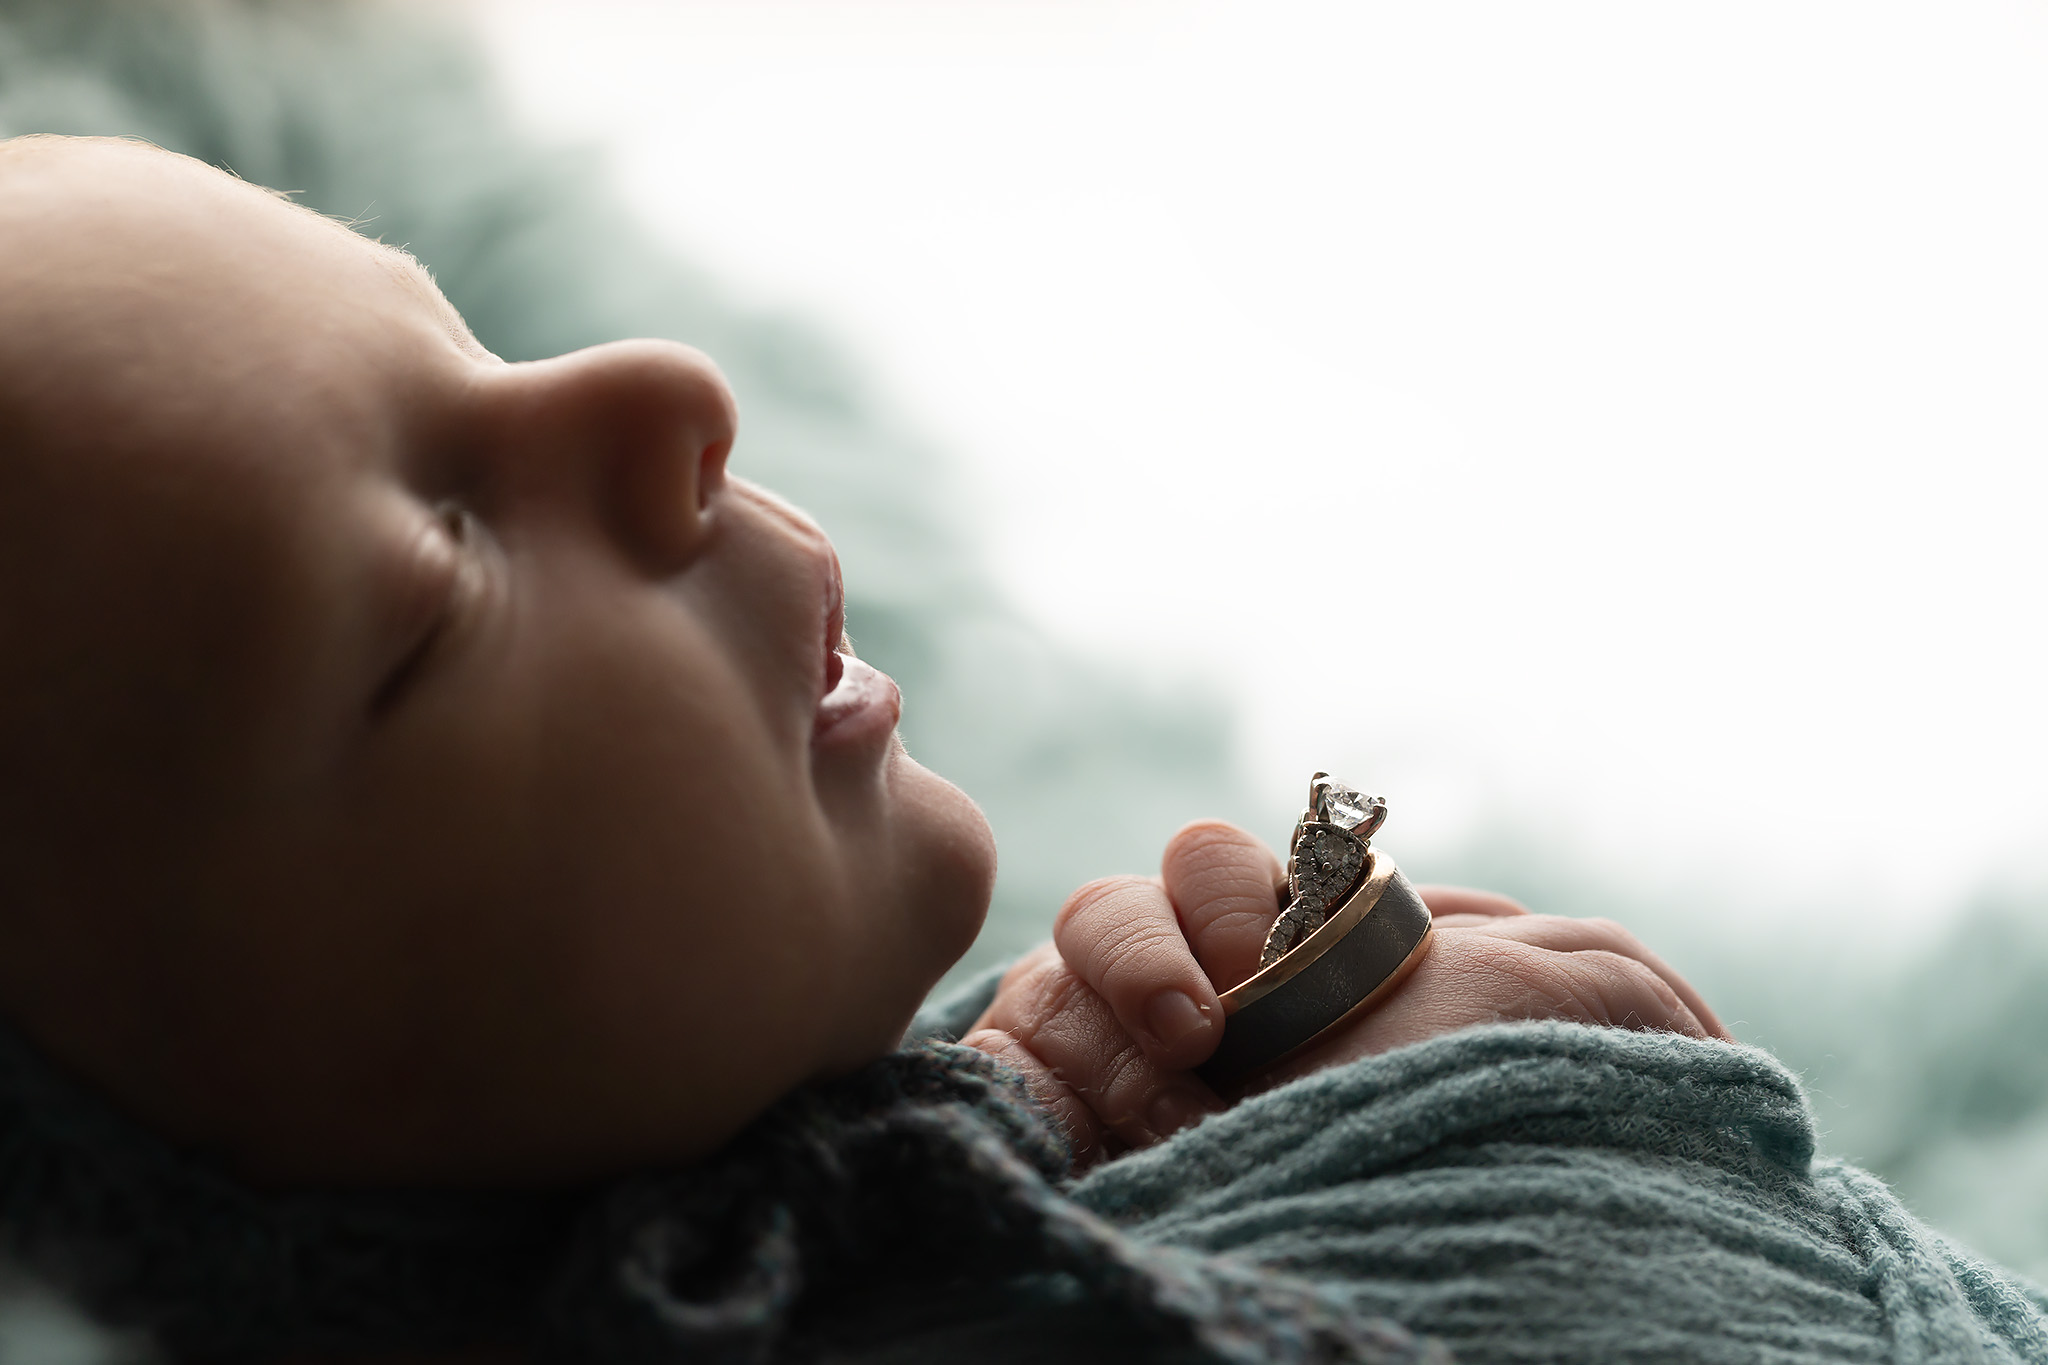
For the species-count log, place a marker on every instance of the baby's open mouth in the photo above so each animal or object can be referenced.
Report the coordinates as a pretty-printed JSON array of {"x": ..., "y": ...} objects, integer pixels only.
[
  {"x": 837, "y": 644},
  {"x": 858, "y": 698},
  {"x": 862, "y": 702}
]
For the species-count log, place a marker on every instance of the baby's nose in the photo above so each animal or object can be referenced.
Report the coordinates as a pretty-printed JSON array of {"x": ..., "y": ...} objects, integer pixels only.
[{"x": 641, "y": 429}]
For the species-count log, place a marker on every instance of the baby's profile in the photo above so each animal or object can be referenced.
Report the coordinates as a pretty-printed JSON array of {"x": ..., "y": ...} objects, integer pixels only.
[
  {"x": 425, "y": 767},
  {"x": 423, "y": 770},
  {"x": 411, "y": 756}
]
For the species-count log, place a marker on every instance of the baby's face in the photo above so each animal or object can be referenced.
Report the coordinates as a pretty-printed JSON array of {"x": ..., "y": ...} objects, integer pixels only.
[{"x": 442, "y": 769}]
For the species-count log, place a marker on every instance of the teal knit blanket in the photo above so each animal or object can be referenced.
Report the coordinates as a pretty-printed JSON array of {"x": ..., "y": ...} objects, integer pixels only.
[
  {"x": 1534, "y": 1192},
  {"x": 1558, "y": 1193},
  {"x": 1548, "y": 1192}
]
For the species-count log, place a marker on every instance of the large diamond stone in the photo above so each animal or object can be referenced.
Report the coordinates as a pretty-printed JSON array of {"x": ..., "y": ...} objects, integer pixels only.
[{"x": 1349, "y": 808}]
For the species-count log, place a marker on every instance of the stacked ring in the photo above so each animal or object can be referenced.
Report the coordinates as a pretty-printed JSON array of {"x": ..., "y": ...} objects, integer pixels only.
[{"x": 1350, "y": 930}]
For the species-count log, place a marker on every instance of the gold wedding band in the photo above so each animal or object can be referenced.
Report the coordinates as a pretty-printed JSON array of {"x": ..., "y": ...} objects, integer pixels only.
[{"x": 1350, "y": 931}]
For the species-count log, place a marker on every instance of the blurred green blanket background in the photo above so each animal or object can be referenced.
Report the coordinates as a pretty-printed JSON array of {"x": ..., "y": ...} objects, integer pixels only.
[{"x": 1926, "y": 1061}]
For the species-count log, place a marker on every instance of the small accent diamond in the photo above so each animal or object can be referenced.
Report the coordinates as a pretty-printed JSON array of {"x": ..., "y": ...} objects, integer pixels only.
[
  {"x": 1325, "y": 865},
  {"x": 1326, "y": 860}
]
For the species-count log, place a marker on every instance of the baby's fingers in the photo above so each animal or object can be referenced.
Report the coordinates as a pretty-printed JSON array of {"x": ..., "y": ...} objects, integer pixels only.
[
  {"x": 1563, "y": 934},
  {"x": 1617, "y": 991},
  {"x": 1461, "y": 906},
  {"x": 1121, "y": 937},
  {"x": 1477, "y": 977},
  {"x": 1080, "y": 1063},
  {"x": 1225, "y": 883}
]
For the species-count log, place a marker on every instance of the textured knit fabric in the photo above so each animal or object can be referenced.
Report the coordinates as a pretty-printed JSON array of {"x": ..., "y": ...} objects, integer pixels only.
[
  {"x": 893, "y": 1214},
  {"x": 1546, "y": 1192},
  {"x": 1552, "y": 1192},
  {"x": 1539, "y": 1192}
]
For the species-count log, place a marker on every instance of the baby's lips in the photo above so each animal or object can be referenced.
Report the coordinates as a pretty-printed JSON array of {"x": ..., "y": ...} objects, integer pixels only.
[
  {"x": 864, "y": 705},
  {"x": 836, "y": 640}
]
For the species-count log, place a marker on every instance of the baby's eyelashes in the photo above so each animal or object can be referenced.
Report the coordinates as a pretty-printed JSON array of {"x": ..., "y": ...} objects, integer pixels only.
[{"x": 448, "y": 573}]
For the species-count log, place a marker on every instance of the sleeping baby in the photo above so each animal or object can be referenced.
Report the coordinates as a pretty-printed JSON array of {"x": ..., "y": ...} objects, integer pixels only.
[{"x": 419, "y": 771}]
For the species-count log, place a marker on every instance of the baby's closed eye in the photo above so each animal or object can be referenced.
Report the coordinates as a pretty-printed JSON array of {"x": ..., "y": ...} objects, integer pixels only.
[{"x": 444, "y": 573}]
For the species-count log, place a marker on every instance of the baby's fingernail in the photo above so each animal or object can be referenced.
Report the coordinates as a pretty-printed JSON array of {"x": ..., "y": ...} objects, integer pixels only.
[
  {"x": 1174, "y": 1017},
  {"x": 1172, "y": 1112}
]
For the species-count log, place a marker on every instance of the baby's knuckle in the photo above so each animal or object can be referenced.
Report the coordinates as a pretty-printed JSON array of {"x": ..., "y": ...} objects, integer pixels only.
[
  {"x": 1084, "y": 898},
  {"x": 1556, "y": 933},
  {"x": 1559, "y": 984},
  {"x": 1041, "y": 1079},
  {"x": 1581, "y": 1001},
  {"x": 1520, "y": 980},
  {"x": 1038, "y": 1003},
  {"x": 1240, "y": 922},
  {"x": 1047, "y": 1088},
  {"x": 1020, "y": 994},
  {"x": 1484, "y": 952},
  {"x": 1138, "y": 948},
  {"x": 1209, "y": 838},
  {"x": 1627, "y": 987},
  {"x": 1226, "y": 887},
  {"x": 1121, "y": 1081},
  {"x": 1611, "y": 932},
  {"x": 1061, "y": 992},
  {"x": 996, "y": 1043},
  {"x": 1041, "y": 977}
]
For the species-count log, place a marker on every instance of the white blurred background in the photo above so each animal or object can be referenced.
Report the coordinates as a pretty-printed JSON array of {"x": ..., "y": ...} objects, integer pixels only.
[
  {"x": 1614, "y": 431},
  {"x": 1625, "y": 422}
]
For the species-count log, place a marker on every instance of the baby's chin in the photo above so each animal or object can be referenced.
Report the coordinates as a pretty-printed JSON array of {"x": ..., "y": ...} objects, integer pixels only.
[{"x": 951, "y": 852}]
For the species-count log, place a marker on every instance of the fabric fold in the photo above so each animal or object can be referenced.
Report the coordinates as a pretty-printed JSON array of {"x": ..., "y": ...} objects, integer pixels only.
[{"x": 1561, "y": 1193}]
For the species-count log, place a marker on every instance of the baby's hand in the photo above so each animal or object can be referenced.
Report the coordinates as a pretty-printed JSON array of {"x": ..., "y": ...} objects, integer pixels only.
[
  {"x": 1104, "y": 1021},
  {"x": 1491, "y": 962},
  {"x": 1494, "y": 962}
]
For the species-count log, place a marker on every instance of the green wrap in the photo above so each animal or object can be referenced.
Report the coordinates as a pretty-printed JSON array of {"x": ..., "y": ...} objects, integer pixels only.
[{"x": 1548, "y": 1192}]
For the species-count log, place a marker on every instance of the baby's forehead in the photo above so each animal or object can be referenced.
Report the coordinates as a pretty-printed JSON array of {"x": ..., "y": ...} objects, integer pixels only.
[
  {"x": 88, "y": 191},
  {"x": 182, "y": 349},
  {"x": 104, "y": 241},
  {"x": 207, "y": 396}
]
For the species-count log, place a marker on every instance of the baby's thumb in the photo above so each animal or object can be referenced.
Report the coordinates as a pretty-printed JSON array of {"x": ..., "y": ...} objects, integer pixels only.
[{"x": 1224, "y": 884}]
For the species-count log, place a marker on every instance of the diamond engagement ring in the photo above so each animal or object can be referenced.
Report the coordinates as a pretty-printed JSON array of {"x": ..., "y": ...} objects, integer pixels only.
[{"x": 1350, "y": 930}]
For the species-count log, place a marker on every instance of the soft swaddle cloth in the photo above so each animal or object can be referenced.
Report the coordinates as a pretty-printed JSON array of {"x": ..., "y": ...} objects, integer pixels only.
[
  {"x": 915, "y": 1200},
  {"x": 1529, "y": 1192},
  {"x": 1553, "y": 1192}
]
